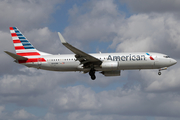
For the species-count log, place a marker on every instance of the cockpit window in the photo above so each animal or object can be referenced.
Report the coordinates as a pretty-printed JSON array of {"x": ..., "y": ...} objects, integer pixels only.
[{"x": 166, "y": 56}]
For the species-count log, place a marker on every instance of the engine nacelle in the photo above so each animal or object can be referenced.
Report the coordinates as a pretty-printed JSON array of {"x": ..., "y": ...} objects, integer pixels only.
[
  {"x": 111, "y": 73},
  {"x": 110, "y": 65}
]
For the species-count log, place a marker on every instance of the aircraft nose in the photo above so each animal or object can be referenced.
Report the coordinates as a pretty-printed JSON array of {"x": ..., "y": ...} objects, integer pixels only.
[{"x": 173, "y": 61}]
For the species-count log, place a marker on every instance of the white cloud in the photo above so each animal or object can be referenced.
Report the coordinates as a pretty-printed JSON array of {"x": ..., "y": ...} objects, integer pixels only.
[
  {"x": 22, "y": 114},
  {"x": 153, "y": 32},
  {"x": 45, "y": 40},
  {"x": 99, "y": 22},
  {"x": 141, "y": 32},
  {"x": 75, "y": 98},
  {"x": 168, "y": 82}
]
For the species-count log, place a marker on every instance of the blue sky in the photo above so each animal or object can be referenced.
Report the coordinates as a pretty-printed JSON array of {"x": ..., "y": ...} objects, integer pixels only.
[{"x": 92, "y": 26}]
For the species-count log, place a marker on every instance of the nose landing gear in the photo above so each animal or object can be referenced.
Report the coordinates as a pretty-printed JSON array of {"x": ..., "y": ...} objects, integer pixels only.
[{"x": 159, "y": 73}]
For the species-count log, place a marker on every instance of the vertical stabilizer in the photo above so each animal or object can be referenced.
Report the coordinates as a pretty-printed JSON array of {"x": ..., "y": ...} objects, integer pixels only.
[{"x": 22, "y": 46}]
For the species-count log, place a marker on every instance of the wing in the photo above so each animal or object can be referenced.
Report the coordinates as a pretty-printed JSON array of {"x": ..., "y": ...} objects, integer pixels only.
[{"x": 83, "y": 57}]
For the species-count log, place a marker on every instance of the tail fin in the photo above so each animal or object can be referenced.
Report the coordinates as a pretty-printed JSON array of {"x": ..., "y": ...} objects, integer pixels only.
[{"x": 22, "y": 46}]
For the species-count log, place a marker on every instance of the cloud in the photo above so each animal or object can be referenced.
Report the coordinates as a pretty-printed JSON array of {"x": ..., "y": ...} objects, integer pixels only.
[
  {"x": 169, "y": 82},
  {"x": 132, "y": 102},
  {"x": 74, "y": 99},
  {"x": 140, "y": 32},
  {"x": 147, "y": 6},
  {"x": 154, "y": 32},
  {"x": 23, "y": 89},
  {"x": 16, "y": 115},
  {"x": 45, "y": 40},
  {"x": 25, "y": 14},
  {"x": 22, "y": 114},
  {"x": 97, "y": 24}
]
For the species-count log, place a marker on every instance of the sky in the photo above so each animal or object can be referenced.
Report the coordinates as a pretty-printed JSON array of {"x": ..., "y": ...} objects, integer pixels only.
[{"x": 92, "y": 26}]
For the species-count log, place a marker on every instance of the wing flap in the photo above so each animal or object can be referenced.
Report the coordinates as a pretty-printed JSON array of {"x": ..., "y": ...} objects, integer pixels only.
[{"x": 15, "y": 56}]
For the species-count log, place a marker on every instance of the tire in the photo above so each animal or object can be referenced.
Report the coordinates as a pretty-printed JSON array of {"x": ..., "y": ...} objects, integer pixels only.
[
  {"x": 159, "y": 73},
  {"x": 93, "y": 77}
]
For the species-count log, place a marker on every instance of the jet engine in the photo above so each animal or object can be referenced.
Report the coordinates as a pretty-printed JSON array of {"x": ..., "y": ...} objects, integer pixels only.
[{"x": 109, "y": 65}]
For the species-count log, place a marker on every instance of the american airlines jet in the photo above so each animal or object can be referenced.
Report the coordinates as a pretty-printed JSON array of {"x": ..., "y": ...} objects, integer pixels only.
[{"x": 109, "y": 64}]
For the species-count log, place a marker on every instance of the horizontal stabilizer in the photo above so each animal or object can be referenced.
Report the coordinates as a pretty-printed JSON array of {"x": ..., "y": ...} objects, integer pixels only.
[{"x": 15, "y": 56}]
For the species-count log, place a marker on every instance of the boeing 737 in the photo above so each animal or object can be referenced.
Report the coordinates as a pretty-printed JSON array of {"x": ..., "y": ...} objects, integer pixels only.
[{"x": 108, "y": 64}]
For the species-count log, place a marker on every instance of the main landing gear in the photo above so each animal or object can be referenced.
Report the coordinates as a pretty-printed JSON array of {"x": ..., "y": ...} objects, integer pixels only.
[{"x": 92, "y": 74}]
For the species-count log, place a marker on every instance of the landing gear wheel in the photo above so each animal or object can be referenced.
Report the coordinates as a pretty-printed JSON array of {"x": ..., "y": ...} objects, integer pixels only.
[
  {"x": 159, "y": 73},
  {"x": 93, "y": 77},
  {"x": 92, "y": 74}
]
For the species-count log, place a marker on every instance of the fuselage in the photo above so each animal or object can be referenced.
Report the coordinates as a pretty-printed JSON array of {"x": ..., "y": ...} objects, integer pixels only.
[{"x": 122, "y": 61}]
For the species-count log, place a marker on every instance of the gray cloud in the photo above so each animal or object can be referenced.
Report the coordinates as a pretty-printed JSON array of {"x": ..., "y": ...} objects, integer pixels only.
[
  {"x": 16, "y": 115},
  {"x": 133, "y": 102},
  {"x": 25, "y": 14},
  {"x": 147, "y": 6}
]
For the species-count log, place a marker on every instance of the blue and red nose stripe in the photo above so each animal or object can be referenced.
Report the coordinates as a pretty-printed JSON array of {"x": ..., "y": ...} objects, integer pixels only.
[{"x": 150, "y": 56}]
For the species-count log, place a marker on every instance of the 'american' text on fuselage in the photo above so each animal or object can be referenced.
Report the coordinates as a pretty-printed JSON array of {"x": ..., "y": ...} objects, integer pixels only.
[{"x": 127, "y": 58}]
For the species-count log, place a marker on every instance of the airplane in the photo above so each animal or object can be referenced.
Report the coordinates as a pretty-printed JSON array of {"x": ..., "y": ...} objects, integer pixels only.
[{"x": 108, "y": 64}]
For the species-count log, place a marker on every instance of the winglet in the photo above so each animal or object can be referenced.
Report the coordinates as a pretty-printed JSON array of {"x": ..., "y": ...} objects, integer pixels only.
[{"x": 61, "y": 38}]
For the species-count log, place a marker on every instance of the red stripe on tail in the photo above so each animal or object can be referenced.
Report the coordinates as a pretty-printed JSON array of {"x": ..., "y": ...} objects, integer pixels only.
[
  {"x": 19, "y": 47},
  {"x": 13, "y": 35},
  {"x": 16, "y": 41},
  {"x": 32, "y": 60},
  {"x": 11, "y": 28},
  {"x": 28, "y": 54}
]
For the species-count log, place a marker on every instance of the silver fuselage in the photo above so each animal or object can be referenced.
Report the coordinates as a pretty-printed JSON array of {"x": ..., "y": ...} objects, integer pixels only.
[{"x": 125, "y": 61}]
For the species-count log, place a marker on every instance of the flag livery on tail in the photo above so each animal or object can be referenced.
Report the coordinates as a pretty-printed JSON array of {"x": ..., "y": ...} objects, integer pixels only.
[{"x": 24, "y": 48}]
